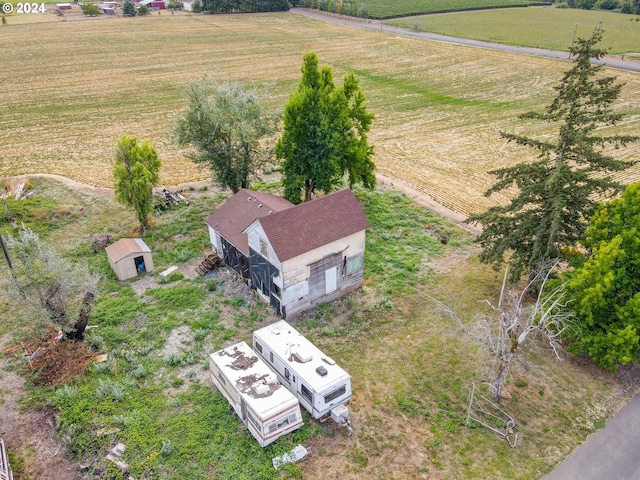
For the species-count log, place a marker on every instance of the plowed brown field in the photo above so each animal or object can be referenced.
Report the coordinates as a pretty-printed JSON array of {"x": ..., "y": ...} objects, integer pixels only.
[{"x": 72, "y": 88}]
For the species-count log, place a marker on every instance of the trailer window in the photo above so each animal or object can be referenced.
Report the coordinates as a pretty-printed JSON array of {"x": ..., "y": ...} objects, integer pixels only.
[
  {"x": 282, "y": 423},
  {"x": 254, "y": 421},
  {"x": 271, "y": 356},
  {"x": 335, "y": 394},
  {"x": 306, "y": 393},
  {"x": 222, "y": 379},
  {"x": 286, "y": 373},
  {"x": 258, "y": 347}
]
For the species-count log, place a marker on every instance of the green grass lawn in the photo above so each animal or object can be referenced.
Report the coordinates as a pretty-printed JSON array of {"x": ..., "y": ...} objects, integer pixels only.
[
  {"x": 551, "y": 28},
  {"x": 411, "y": 368}
]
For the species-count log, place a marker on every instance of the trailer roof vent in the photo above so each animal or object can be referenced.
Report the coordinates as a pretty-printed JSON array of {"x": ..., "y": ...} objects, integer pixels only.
[
  {"x": 328, "y": 360},
  {"x": 303, "y": 357},
  {"x": 260, "y": 388},
  {"x": 321, "y": 371}
]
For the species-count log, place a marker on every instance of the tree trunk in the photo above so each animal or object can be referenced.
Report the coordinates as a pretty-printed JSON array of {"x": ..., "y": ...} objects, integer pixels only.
[{"x": 83, "y": 319}]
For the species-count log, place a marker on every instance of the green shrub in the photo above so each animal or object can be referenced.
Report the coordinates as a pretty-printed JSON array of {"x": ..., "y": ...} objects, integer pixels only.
[
  {"x": 178, "y": 298},
  {"x": 90, "y": 9}
]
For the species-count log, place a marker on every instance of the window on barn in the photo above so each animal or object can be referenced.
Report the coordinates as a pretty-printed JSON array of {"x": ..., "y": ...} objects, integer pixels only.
[
  {"x": 354, "y": 264},
  {"x": 264, "y": 251}
]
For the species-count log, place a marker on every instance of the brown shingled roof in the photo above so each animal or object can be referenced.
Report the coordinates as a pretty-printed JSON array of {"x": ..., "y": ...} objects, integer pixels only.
[
  {"x": 240, "y": 210},
  {"x": 313, "y": 224}
]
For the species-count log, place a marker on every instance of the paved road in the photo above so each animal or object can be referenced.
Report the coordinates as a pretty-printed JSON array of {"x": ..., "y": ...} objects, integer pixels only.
[
  {"x": 610, "y": 453},
  {"x": 538, "y": 52}
]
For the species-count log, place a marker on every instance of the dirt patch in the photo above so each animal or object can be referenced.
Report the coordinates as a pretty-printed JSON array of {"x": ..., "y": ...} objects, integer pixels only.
[{"x": 30, "y": 435}]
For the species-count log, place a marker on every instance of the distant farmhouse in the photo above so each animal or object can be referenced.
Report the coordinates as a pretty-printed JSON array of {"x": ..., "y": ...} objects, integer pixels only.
[{"x": 294, "y": 256}]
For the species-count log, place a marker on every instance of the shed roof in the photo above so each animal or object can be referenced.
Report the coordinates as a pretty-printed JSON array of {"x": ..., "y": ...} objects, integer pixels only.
[
  {"x": 310, "y": 225},
  {"x": 125, "y": 247},
  {"x": 239, "y": 211}
]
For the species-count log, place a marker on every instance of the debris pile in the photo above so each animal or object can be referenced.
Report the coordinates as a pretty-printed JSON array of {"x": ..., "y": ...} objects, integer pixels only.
[
  {"x": 100, "y": 240},
  {"x": 51, "y": 361},
  {"x": 164, "y": 198}
]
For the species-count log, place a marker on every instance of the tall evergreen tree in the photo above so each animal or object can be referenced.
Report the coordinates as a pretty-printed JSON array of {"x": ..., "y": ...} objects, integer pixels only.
[
  {"x": 557, "y": 192},
  {"x": 325, "y": 134},
  {"x": 136, "y": 173}
]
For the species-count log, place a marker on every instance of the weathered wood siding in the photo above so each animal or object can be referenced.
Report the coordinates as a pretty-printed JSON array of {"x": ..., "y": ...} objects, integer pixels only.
[
  {"x": 302, "y": 281},
  {"x": 263, "y": 274},
  {"x": 305, "y": 277},
  {"x": 235, "y": 259}
]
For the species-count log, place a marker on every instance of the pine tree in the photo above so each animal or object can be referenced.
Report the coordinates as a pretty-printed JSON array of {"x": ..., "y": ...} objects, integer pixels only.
[{"x": 557, "y": 192}]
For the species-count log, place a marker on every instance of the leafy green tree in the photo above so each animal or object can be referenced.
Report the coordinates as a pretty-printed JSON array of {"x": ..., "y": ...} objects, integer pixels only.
[
  {"x": 51, "y": 288},
  {"x": 606, "y": 288},
  {"x": 128, "y": 9},
  {"x": 556, "y": 192},
  {"x": 143, "y": 10},
  {"x": 226, "y": 125},
  {"x": 90, "y": 9},
  {"x": 325, "y": 134},
  {"x": 136, "y": 173}
]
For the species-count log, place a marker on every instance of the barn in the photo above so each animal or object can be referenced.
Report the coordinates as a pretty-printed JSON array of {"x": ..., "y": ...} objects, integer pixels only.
[
  {"x": 128, "y": 257},
  {"x": 294, "y": 256},
  {"x": 312, "y": 253},
  {"x": 227, "y": 223}
]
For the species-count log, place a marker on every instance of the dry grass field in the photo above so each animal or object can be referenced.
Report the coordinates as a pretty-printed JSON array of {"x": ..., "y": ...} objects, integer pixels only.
[{"x": 72, "y": 88}]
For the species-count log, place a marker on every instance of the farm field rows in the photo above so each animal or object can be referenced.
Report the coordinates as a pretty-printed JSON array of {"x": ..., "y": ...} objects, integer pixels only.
[
  {"x": 551, "y": 28},
  {"x": 399, "y": 8},
  {"x": 73, "y": 88}
]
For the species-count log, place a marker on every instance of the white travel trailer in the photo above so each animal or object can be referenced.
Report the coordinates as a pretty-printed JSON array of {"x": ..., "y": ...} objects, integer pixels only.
[
  {"x": 321, "y": 386},
  {"x": 267, "y": 408}
]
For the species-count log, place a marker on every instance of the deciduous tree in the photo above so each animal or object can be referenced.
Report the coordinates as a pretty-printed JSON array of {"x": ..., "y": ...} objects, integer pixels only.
[
  {"x": 557, "y": 192},
  {"x": 128, "y": 9},
  {"x": 325, "y": 134},
  {"x": 227, "y": 125},
  {"x": 136, "y": 173},
  {"x": 606, "y": 287},
  {"x": 51, "y": 286}
]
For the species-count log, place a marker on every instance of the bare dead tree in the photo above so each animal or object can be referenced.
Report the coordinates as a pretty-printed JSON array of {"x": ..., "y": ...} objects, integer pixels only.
[
  {"x": 516, "y": 321},
  {"x": 522, "y": 317}
]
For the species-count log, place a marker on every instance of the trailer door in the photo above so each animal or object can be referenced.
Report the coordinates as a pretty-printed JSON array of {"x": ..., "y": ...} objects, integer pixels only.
[{"x": 243, "y": 410}]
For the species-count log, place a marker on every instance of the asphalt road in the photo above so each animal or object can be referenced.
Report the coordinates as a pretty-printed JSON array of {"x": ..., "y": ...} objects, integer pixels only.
[
  {"x": 538, "y": 52},
  {"x": 610, "y": 453}
]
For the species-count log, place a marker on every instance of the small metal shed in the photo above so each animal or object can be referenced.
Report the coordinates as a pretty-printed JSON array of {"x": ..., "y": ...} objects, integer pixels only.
[{"x": 128, "y": 257}]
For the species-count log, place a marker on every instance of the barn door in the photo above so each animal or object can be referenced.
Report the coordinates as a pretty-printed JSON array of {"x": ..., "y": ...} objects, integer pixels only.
[{"x": 331, "y": 280}]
